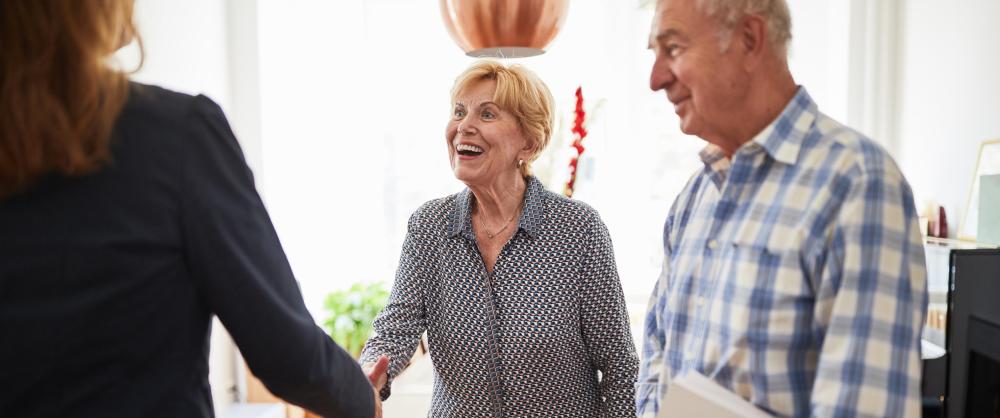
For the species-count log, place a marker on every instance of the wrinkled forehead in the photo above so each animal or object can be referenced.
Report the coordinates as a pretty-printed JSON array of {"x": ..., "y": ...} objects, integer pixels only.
[
  {"x": 480, "y": 93},
  {"x": 677, "y": 18},
  {"x": 475, "y": 92},
  {"x": 474, "y": 102}
]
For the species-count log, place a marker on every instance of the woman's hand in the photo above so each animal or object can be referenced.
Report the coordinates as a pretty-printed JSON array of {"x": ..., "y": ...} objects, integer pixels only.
[
  {"x": 377, "y": 372},
  {"x": 378, "y": 403}
]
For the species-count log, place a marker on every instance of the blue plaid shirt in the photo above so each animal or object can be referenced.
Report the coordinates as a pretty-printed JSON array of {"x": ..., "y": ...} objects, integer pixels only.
[{"x": 793, "y": 275}]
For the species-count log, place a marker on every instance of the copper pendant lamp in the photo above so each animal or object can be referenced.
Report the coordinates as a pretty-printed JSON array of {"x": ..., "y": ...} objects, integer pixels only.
[{"x": 503, "y": 28}]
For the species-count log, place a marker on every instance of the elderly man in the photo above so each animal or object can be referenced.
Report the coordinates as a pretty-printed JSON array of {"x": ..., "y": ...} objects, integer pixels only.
[{"x": 793, "y": 265}]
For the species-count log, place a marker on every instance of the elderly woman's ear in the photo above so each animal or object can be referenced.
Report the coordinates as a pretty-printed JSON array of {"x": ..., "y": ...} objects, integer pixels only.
[
  {"x": 527, "y": 155},
  {"x": 530, "y": 148}
]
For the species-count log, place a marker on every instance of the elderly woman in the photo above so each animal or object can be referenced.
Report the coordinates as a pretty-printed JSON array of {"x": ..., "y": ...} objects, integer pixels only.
[{"x": 516, "y": 286}]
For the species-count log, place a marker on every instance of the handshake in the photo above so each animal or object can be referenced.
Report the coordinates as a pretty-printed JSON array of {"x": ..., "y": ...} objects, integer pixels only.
[{"x": 377, "y": 373}]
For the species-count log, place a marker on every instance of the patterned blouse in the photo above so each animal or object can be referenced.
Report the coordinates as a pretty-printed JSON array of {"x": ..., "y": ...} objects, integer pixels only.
[{"x": 545, "y": 334}]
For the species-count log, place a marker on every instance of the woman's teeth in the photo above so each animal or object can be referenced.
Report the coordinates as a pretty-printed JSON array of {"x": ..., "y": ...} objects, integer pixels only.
[{"x": 470, "y": 150}]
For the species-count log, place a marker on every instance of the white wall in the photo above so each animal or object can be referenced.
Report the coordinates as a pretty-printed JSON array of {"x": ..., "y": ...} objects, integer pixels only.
[
  {"x": 819, "y": 53},
  {"x": 320, "y": 120},
  {"x": 950, "y": 96},
  {"x": 185, "y": 44}
]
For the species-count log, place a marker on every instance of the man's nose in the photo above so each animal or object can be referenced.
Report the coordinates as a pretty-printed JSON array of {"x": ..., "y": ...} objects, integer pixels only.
[{"x": 660, "y": 76}]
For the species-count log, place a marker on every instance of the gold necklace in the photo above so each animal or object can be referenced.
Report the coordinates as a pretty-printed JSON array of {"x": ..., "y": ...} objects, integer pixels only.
[{"x": 493, "y": 235}]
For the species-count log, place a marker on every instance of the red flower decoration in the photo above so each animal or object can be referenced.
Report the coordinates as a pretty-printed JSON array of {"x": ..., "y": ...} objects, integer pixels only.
[{"x": 579, "y": 132}]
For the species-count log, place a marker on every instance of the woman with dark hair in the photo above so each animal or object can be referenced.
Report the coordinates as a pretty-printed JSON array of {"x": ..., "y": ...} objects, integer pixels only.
[{"x": 128, "y": 217}]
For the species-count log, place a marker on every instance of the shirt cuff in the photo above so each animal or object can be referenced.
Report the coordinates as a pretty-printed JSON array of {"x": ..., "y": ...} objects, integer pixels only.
[
  {"x": 386, "y": 390},
  {"x": 647, "y": 400}
]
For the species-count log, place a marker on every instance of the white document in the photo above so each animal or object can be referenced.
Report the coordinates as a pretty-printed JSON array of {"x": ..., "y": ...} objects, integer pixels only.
[{"x": 696, "y": 396}]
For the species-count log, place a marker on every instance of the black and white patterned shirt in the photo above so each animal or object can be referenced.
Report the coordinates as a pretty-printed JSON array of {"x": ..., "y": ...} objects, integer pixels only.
[{"x": 527, "y": 340}]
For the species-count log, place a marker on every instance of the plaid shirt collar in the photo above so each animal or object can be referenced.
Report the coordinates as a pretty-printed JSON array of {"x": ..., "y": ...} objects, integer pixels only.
[{"x": 781, "y": 139}]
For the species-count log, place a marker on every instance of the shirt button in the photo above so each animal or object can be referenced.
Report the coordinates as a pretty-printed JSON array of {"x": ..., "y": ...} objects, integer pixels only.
[
  {"x": 701, "y": 302},
  {"x": 713, "y": 244}
]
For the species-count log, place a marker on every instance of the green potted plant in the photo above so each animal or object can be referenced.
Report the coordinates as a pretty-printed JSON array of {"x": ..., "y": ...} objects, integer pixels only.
[{"x": 352, "y": 312}]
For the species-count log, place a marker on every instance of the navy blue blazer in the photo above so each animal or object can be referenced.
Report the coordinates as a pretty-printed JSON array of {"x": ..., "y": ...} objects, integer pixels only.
[{"x": 108, "y": 281}]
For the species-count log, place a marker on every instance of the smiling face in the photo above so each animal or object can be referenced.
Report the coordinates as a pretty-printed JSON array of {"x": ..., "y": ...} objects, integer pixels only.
[
  {"x": 484, "y": 141},
  {"x": 704, "y": 82}
]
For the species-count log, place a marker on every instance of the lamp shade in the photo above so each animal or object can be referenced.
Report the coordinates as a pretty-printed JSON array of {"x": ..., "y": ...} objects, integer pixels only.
[{"x": 503, "y": 28}]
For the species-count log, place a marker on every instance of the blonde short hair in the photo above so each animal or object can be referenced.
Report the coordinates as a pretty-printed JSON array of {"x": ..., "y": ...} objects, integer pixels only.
[{"x": 520, "y": 92}]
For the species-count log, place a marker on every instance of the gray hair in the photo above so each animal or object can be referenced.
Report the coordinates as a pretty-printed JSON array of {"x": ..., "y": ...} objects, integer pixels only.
[{"x": 774, "y": 12}]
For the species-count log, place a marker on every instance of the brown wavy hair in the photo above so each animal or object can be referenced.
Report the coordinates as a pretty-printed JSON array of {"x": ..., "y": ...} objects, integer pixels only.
[{"x": 59, "y": 95}]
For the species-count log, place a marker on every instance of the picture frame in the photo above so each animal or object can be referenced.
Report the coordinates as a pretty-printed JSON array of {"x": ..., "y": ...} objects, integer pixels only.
[{"x": 987, "y": 163}]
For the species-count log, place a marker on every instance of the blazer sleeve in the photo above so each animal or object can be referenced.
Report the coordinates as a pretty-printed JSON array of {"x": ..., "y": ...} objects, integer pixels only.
[{"x": 232, "y": 250}]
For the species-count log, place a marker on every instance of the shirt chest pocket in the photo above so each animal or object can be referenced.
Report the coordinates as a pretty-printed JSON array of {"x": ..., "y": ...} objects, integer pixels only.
[{"x": 764, "y": 270}]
